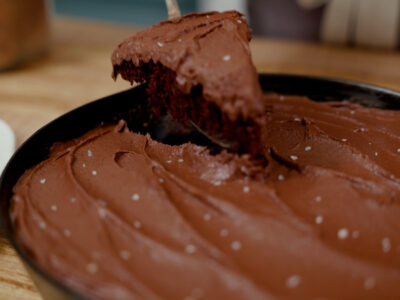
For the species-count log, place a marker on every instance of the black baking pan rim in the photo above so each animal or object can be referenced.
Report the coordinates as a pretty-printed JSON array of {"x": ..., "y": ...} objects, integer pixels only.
[{"x": 114, "y": 107}]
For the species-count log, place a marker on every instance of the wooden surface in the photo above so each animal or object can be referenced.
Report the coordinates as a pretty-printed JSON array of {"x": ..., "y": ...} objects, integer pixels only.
[{"x": 77, "y": 70}]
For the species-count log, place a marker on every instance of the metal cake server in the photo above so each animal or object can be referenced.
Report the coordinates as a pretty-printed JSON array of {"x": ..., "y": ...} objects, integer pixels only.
[{"x": 174, "y": 12}]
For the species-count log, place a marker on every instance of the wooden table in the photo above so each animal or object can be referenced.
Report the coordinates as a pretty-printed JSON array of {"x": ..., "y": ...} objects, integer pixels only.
[{"x": 78, "y": 68}]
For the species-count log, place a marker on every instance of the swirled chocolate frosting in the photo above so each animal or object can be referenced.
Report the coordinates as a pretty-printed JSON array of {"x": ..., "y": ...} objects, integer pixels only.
[
  {"x": 117, "y": 215},
  {"x": 207, "y": 50}
]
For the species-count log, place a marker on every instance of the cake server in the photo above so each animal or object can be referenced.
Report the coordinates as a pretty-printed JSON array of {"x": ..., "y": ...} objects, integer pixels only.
[
  {"x": 174, "y": 12},
  {"x": 173, "y": 9}
]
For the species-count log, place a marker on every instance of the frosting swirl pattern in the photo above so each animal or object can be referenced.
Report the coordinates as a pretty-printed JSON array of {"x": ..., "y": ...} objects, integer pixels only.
[{"x": 117, "y": 215}]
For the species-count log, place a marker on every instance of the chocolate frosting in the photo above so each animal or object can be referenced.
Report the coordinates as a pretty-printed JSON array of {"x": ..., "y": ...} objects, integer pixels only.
[
  {"x": 210, "y": 50},
  {"x": 117, "y": 215}
]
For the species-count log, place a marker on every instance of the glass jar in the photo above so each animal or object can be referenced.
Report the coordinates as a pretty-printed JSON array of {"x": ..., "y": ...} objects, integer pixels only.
[{"x": 24, "y": 31}]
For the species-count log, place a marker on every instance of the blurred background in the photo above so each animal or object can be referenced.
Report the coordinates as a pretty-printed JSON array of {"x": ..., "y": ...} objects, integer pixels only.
[
  {"x": 25, "y": 30},
  {"x": 138, "y": 12},
  {"x": 338, "y": 21}
]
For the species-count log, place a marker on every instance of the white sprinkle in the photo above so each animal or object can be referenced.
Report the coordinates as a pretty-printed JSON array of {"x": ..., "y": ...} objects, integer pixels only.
[
  {"x": 281, "y": 177},
  {"x": 43, "y": 180},
  {"x": 293, "y": 157},
  {"x": 190, "y": 249},
  {"x": 125, "y": 254},
  {"x": 73, "y": 200},
  {"x": 207, "y": 16},
  {"x": 54, "y": 207},
  {"x": 224, "y": 232},
  {"x": 239, "y": 21},
  {"x": 180, "y": 160},
  {"x": 319, "y": 219},
  {"x": 217, "y": 183},
  {"x": 160, "y": 44},
  {"x": 89, "y": 153},
  {"x": 293, "y": 281},
  {"x": 179, "y": 40},
  {"x": 369, "y": 283},
  {"x": 318, "y": 199},
  {"x": 42, "y": 224},
  {"x": 67, "y": 233},
  {"x": 135, "y": 197},
  {"x": 398, "y": 150},
  {"x": 83, "y": 165},
  {"x": 343, "y": 233},
  {"x": 281, "y": 98},
  {"x": 352, "y": 112},
  {"x": 117, "y": 54},
  {"x": 362, "y": 129},
  {"x": 236, "y": 245},
  {"x": 308, "y": 148},
  {"x": 92, "y": 267},
  {"x": 169, "y": 161},
  {"x": 226, "y": 58},
  {"x": 137, "y": 224},
  {"x": 160, "y": 180},
  {"x": 297, "y": 119},
  {"x": 102, "y": 213},
  {"x": 386, "y": 245},
  {"x": 207, "y": 217},
  {"x": 344, "y": 140},
  {"x": 94, "y": 172},
  {"x": 246, "y": 189},
  {"x": 102, "y": 203},
  {"x": 355, "y": 234}
]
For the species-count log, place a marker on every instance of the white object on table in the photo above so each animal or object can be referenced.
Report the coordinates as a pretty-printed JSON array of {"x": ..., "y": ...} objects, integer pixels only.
[
  {"x": 7, "y": 144},
  {"x": 373, "y": 23}
]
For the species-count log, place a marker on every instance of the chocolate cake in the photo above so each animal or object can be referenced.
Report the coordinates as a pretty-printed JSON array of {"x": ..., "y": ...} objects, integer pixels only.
[
  {"x": 117, "y": 215},
  {"x": 198, "y": 68}
]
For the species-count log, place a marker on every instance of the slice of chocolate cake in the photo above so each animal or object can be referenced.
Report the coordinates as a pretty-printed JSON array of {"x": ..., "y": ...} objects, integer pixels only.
[{"x": 198, "y": 68}]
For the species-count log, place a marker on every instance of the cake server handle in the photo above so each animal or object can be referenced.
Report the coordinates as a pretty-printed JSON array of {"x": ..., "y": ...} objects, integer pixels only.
[{"x": 173, "y": 9}]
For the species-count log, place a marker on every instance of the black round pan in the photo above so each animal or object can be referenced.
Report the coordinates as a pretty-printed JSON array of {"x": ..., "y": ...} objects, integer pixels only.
[{"x": 131, "y": 105}]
